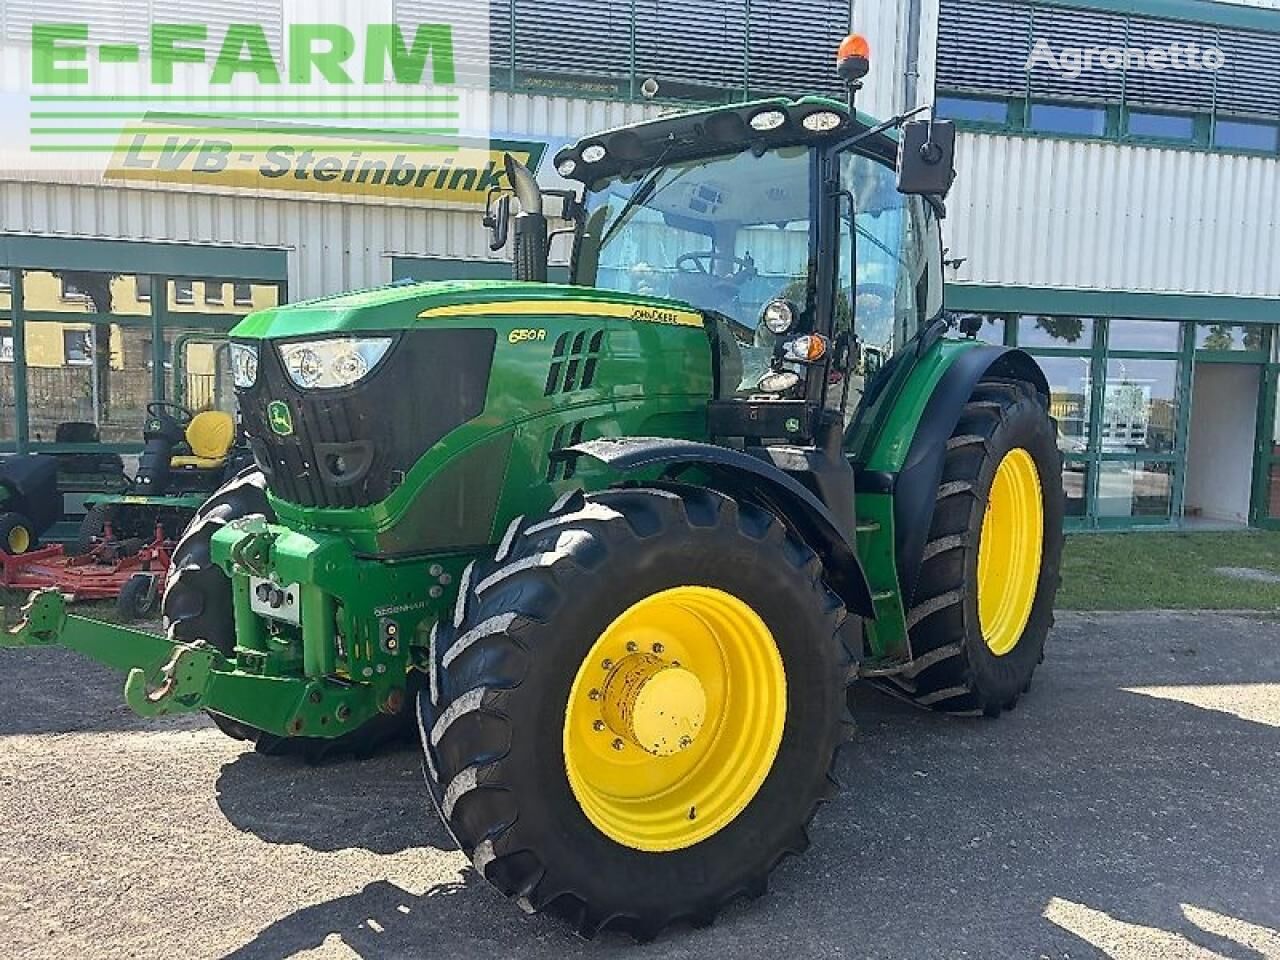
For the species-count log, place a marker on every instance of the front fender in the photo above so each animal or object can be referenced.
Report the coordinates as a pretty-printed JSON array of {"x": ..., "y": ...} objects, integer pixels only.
[
  {"x": 744, "y": 477},
  {"x": 915, "y": 487}
]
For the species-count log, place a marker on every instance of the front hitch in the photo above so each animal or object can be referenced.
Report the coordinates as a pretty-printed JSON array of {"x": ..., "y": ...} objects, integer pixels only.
[
  {"x": 180, "y": 686},
  {"x": 164, "y": 677}
]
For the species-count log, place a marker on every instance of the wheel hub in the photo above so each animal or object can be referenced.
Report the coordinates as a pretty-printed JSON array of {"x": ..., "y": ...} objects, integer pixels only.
[
  {"x": 655, "y": 704},
  {"x": 675, "y": 718}
]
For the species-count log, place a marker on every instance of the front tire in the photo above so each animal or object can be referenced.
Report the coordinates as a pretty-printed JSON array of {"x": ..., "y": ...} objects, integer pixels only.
[
  {"x": 564, "y": 745},
  {"x": 984, "y": 601}
]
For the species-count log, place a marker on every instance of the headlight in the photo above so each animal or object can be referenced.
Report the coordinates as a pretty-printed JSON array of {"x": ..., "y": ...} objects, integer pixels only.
[
  {"x": 330, "y": 364},
  {"x": 594, "y": 153},
  {"x": 244, "y": 364},
  {"x": 779, "y": 316},
  {"x": 822, "y": 121},
  {"x": 767, "y": 120},
  {"x": 779, "y": 381}
]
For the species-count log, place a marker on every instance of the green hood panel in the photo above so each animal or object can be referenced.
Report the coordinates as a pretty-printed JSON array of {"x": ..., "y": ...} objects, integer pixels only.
[{"x": 399, "y": 306}]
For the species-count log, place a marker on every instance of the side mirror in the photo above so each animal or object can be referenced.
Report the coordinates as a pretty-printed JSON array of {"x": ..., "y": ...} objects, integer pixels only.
[
  {"x": 497, "y": 220},
  {"x": 926, "y": 158}
]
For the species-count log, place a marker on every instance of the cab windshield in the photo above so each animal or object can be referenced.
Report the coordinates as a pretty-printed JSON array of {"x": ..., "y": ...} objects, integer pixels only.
[{"x": 725, "y": 235}]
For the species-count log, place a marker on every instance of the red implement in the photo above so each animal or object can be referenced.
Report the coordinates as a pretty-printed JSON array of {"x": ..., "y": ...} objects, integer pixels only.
[{"x": 98, "y": 575}]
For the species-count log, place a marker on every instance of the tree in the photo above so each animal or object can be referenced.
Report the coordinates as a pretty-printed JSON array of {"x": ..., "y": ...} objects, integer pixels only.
[
  {"x": 97, "y": 287},
  {"x": 1220, "y": 338},
  {"x": 1066, "y": 329}
]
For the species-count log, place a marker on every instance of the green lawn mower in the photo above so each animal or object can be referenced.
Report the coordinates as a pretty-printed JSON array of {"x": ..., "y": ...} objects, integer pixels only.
[
  {"x": 617, "y": 548},
  {"x": 29, "y": 501},
  {"x": 187, "y": 457}
]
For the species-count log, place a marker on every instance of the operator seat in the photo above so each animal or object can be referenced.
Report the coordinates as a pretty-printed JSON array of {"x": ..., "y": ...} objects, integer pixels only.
[{"x": 210, "y": 435}]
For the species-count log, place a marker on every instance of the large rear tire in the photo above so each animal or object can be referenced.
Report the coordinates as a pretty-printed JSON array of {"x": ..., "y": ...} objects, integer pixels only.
[
  {"x": 984, "y": 603},
  {"x": 565, "y": 747},
  {"x": 198, "y": 606}
]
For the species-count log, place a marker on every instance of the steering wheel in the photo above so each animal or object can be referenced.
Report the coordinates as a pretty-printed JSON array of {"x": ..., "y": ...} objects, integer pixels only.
[
  {"x": 164, "y": 408},
  {"x": 703, "y": 264}
]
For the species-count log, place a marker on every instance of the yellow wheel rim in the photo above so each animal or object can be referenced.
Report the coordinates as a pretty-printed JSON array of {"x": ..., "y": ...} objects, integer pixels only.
[
  {"x": 1009, "y": 553},
  {"x": 19, "y": 540},
  {"x": 675, "y": 719}
]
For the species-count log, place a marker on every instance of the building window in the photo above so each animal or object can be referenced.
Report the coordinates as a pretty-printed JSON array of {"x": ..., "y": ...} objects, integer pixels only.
[
  {"x": 243, "y": 294},
  {"x": 1075, "y": 480},
  {"x": 77, "y": 347},
  {"x": 1162, "y": 126},
  {"x": 1075, "y": 121},
  {"x": 213, "y": 292},
  {"x": 142, "y": 285},
  {"x": 1074, "y": 333},
  {"x": 6, "y": 348},
  {"x": 1070, "y": 399},
  {"x": 1146, "y": 335},
  {"x": 184, "y": 292},
  {"x": 1243, "y": 135},
  {"x": 6, "y": 285},
  {"x": 1140, "y": 489},
  {"x": 974, "y": 110},
  {"x": 1038, "y": 52},
  {"x": 1140, "y": 406},
  {"x": 1231, "y": 337},
  {"x": 70, "y": 292},
  {"x": 701, "y": 51}
]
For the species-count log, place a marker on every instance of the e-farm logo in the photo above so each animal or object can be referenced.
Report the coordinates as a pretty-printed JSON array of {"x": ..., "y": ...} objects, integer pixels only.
[{"x": 359, "y": 104}]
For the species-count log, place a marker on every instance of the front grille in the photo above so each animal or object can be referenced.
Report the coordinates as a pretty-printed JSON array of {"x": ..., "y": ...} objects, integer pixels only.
[{"x": 352, "y": 447}]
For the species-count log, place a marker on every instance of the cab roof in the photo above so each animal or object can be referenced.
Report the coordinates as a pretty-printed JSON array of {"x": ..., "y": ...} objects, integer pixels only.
[{"x": 715, "y": 131}]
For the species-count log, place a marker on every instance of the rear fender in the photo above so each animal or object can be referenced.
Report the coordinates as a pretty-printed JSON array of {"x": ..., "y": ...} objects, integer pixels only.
[{"x": 747, "y": 478}]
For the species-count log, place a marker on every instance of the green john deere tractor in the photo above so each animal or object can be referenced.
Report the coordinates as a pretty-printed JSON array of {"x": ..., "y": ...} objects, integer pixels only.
[{"x": 617, "y": 548}]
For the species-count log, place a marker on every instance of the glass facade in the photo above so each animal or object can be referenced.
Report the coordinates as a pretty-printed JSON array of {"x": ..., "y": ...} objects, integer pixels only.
[
  {"x": 97, "y": 348},
  {"x": 1121, "y": 392}
]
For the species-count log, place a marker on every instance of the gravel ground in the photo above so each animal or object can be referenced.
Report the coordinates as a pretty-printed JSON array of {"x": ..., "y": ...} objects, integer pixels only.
[{"x": 1128, "y": 808}]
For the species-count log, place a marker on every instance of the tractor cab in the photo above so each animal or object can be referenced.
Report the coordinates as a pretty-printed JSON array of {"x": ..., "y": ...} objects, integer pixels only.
[{"x": 805, "y": 234}]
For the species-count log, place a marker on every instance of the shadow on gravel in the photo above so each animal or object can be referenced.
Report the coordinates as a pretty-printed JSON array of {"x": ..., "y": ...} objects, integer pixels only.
[
  {"x": 1087, "y": 817},
  {"x": 380, "y": 804},
  {"x": 54, "y": 690}
]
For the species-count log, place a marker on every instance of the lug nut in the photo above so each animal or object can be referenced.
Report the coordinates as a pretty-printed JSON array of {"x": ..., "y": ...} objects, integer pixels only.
[
  {"x": 632, "y": 646},
  {"x": 617, "y": 743},
  {"x": 598, "y": 726},
  {"x": 608, "y": 665},
  {"x": 658, "y": 648},
  {"x": 593, "y": 695}
]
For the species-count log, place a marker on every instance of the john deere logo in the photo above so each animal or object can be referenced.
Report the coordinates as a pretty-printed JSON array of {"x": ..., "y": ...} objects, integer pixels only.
[{"x": 280, "y": 418}]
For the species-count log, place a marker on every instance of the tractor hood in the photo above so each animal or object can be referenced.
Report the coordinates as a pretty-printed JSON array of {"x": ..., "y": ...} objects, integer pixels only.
[{"x": 402, "y": 306}]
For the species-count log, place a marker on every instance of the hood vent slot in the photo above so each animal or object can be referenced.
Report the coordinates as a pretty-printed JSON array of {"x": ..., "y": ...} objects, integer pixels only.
[
  {"x": 574, "y": 362},
  {"x": 567, "y": 436}
]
